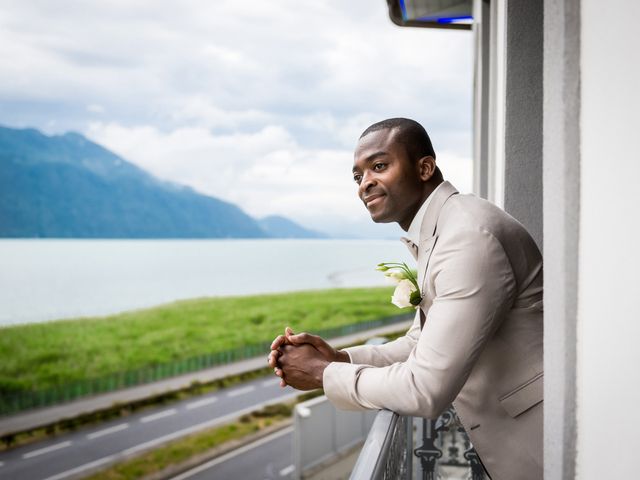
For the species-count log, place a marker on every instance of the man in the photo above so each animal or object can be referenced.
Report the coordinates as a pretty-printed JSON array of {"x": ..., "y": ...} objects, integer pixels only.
[{"x": 476, "y": 339}]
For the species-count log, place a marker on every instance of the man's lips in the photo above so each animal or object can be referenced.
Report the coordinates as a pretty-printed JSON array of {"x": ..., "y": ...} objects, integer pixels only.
[{"x": 373, "y": 199}]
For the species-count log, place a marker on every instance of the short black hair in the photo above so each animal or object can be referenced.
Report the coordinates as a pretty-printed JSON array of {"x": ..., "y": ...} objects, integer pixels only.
[{"x": 410, "y": 133}]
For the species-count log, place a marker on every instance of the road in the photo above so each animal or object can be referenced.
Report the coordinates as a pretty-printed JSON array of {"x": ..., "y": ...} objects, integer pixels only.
[
  {"x": 70, "y": 455},
  {"x": 269, "y": 458}
]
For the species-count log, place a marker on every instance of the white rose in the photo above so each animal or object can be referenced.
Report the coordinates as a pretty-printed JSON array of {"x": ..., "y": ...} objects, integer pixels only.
[
  {"x": 394, "y": 278},
  {"x": 402, "y": 294}
]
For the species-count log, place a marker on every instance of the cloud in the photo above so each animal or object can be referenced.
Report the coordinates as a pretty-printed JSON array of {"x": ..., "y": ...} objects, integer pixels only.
[
  {"x": 95, "y": 108},
  {"x": 266, "y": 172},
  {"x": 258, "y": 102}
]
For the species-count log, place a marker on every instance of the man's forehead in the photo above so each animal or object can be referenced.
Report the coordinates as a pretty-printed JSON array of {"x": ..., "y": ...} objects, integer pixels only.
[
  {"x": 377, "y": 138},
  {"x": 373, "y": 143}
]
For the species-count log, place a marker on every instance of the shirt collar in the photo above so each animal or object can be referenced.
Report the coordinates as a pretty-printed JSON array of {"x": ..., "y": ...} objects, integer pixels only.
[{"x": 413, "y": 233}]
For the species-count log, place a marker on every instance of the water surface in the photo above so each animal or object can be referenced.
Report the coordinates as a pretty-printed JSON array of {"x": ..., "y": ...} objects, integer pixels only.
[{"x": 52, "y": 279}]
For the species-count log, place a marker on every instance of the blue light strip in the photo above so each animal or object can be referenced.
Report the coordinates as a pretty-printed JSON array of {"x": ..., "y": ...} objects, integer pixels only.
[
  {"x": 403, "y": 7},
  {"x": 445, "y": 19},
  {"x": 454, "y": 19}
]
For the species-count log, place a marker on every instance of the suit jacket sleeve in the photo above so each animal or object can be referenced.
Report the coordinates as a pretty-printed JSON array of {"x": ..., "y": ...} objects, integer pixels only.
[
  {"x": 392, "y": 352},
  {"x": 474, "y": 287}
]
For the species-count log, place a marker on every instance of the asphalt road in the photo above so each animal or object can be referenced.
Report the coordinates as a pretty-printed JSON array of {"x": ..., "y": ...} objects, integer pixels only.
[
  {"x": 69, "y": 456},
  {"x": 269, "y": 458}
]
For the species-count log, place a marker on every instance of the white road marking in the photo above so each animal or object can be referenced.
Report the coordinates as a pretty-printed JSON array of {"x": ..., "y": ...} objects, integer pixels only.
[
  {"x": 1, "y": 464},
  {"x": 234, "y": 453},
  {"x": 273, "y": 381},
  {"x": 241, "y": 391},
  {"x": 287, "y": 470},
  {"x": 48, "y": 449},
  {"x": 107, "y": 431},
  {"x": 185, "y": 431},
  {"x": 201, "y": 426},
  {"x": 201, "y": 403},
  {"x": 159, "y": 415},
  {"x": 82, "y": 468}
]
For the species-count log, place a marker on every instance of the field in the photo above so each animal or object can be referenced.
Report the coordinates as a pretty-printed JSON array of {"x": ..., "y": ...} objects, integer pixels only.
[{"x": 55, "y": 353}]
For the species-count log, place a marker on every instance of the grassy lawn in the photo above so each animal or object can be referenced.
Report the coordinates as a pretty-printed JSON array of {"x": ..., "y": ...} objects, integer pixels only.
[{"x": 54, "y": 353}]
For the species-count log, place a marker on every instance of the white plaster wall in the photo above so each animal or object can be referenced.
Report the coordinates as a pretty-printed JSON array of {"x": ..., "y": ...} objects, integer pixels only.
[
  {"x": 608, "y": 397},
  {"x": 497, "y": 102},
  {"x": 561, "y": 207}
]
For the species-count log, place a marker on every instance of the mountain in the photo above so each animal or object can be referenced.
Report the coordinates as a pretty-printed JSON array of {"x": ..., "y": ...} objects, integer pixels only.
[
  {"x": 66, "y": 186},
  {"x": 281, "y": 227}
]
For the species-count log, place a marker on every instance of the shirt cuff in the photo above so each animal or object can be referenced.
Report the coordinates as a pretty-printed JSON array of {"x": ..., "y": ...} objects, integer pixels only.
[
  {"x": 338, "y": 381},
  {"x": 358, "y": 354},
  {"x": 346, "y": 350}
]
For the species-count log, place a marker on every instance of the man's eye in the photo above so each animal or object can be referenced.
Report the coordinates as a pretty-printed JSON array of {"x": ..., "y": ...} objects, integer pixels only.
[
  {"x": 357, "y": 178},
  {"x": 379, "y": 166}
]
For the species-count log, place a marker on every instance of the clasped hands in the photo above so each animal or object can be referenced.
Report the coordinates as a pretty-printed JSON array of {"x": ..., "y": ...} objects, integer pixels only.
[{"x": 299, "y": 360}]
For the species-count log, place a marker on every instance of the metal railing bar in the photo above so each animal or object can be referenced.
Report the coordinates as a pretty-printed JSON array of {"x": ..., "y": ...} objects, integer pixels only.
[{"x": 373, "y": 457}]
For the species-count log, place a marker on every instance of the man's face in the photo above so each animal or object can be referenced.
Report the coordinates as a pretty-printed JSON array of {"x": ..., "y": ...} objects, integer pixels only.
[{"x": 389, "y": 184}]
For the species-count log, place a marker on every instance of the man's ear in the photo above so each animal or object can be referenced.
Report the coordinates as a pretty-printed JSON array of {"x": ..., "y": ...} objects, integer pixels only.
[{"x": 426, "y": 168}]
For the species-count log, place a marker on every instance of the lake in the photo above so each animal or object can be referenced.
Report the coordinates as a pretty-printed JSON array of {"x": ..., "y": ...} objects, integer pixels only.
[{"x": 53, "y": 279}]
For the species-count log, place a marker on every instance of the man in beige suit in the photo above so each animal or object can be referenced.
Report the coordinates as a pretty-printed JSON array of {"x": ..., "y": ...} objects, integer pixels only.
[{"x": 476, "y": 340}]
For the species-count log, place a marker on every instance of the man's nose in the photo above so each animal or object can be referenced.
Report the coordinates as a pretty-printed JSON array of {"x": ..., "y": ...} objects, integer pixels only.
[{"x": 367, "y": 181}]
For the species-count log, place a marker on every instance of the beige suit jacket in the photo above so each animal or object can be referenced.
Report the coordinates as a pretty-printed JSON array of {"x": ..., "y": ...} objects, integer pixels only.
[{"x": 481, "y": 344}]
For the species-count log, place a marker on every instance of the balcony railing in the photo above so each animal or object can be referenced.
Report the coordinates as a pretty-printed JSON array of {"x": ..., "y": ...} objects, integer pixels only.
[
  {"x": 386, "y": 453},
  {"x": 445, "y": 451}
]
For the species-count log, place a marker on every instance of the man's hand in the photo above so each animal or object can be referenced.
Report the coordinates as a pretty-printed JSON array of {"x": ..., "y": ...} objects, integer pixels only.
[
  {"x": 302, "y": 366},
  {"x": 329, "y": 353}
]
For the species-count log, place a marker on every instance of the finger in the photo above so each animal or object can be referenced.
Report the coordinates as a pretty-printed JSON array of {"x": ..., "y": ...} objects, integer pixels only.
[
  {"x": 305, "y": 337},
  {"x": 298, "y": 338},
  {"x": 273, "y": 358},
  {"x": 278, "y": 342},
  {"x": 288, "y": 331},
  {"x": 278, "y": 372},
  {"x": 275, "y": 353}
]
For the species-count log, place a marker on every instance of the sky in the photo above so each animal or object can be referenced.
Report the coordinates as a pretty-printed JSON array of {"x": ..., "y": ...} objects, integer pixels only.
[{"x": 259, "y": 103}]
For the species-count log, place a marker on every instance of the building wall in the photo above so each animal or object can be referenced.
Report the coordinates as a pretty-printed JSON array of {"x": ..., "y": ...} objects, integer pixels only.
[
  {"x": 513, "y": 56},
  {"x": 561, "y": 208},
  {"x": 587, "y": 202},
  {"x": 523, "y": 114},
  {"x": 608, "y": 396}
]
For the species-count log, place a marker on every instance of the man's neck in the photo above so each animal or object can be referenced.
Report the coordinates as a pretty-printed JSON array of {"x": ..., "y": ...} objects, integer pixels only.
[{"x": 413, "y": 230}]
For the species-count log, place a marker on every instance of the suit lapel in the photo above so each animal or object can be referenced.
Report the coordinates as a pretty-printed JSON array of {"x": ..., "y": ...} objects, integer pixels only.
[
  {"x": 430, "y": 220},
  {"x": 424, "y": 253},
  {"x": 413, "y": 249},
  {"x": 428, "y": 235}
]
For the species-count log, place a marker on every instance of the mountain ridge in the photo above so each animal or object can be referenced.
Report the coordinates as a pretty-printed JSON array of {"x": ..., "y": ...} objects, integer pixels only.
[
  {"x": 66, "y": 186},
  {"x": 286, "y": 228}
]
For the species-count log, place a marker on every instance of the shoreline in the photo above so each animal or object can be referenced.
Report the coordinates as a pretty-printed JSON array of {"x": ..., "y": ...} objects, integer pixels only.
[{"x": 169, "y": 303}]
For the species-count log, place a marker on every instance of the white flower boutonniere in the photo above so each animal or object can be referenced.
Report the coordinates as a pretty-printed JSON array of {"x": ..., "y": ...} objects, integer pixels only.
[{"x": 407, "y": 292}]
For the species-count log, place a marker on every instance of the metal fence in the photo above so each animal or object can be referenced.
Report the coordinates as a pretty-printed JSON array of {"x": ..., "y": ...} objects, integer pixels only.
[
  {"x": 323, "y": 435},
  {"x": 24, "y": 400},
  {"x": 444, "y": 451}
]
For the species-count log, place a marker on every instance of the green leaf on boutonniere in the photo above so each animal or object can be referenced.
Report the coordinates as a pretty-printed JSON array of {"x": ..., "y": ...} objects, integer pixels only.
[{"x": 415, "y": 298}]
